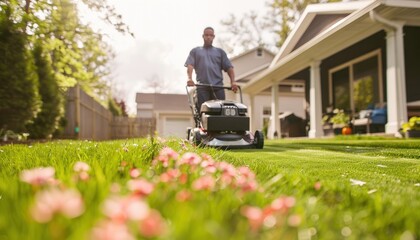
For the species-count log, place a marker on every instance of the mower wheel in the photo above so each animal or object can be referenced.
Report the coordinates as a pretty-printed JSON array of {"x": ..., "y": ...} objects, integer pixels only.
[
  {"x": 259, "y": 139},
  {"x": 188, "y": 133},
  {"x": 197, "y": 138}
]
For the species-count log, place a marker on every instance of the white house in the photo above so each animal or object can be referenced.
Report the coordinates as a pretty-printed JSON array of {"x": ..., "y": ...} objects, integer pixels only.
[{"x": 348, "y": 55}]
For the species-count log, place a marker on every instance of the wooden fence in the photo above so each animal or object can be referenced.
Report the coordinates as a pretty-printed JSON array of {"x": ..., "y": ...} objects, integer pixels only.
[
  {"x": 124, "y": 127},
  {"x": 88, "y": 119}
]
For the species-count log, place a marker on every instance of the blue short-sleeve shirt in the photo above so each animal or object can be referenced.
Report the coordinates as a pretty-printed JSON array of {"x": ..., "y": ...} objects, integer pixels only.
[{"x": 208, "y": 64}]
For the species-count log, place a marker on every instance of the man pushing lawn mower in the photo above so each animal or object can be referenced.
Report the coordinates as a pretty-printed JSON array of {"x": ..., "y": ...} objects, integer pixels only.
[{"x": 218, "y": 122}]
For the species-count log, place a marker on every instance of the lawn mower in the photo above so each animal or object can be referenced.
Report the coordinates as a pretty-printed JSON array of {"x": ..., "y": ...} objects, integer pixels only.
[{"x": 221, "y": 123}]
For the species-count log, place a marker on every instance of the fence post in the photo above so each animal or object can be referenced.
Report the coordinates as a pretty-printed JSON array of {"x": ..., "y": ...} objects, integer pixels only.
[{"x": 77, "y": 109}]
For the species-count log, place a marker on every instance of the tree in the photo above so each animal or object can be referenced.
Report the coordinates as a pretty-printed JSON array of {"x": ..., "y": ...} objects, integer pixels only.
[
  {"x": 46, "y": 122},
  {"x": 79, "y": 55},
  {"x": 244, "y": 34},
  {"x": 123, "y": 107},
  {"x": 269, "y": 31},
  {"x": 75, "y": 52},
  {"x": 114, "y": 108},
  {"x": 19, "y": 99}
]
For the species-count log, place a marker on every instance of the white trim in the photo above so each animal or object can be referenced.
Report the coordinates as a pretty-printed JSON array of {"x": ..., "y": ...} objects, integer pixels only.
[{"x": 306, "y": 18}]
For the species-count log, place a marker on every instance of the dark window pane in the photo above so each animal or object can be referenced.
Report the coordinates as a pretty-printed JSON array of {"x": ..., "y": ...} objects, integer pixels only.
[
  {"x": 365, "y": 85},
  {"x": 341, "y": 93}
]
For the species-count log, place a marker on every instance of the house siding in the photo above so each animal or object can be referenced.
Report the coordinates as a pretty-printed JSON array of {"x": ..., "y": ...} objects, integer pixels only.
[{"x": 318, "y": 25}]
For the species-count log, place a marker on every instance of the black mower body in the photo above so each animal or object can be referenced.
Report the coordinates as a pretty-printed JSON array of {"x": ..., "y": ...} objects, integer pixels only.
[{"x": 222, "y": 124}]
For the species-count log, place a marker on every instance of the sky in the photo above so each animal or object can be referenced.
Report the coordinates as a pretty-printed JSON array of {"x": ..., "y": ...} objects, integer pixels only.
[{"x": 165, "y": 32}]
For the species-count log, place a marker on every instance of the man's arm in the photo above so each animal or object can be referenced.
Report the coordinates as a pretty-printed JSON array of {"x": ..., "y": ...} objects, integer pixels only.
[
  {"x": 189, "y": 74},
  {"x": 231, "y": 74}
]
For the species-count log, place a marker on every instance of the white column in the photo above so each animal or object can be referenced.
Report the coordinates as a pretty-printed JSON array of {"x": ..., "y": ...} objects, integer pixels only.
[
  {"x": 395, "y": 75},
  {"x": 315, "y": 101},
  {"x": 275, "y": 121}
]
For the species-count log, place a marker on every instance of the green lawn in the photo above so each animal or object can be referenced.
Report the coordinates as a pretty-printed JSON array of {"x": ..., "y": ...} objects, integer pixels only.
[{"x": 342, "y": 188}]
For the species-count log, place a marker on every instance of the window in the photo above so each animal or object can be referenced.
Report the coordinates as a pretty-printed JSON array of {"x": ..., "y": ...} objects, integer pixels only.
[{"x": 357, "y": 84}]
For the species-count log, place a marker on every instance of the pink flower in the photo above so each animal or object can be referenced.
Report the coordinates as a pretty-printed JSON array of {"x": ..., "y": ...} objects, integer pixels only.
[
  {"x": 246, "y": 185},
  {"x": 227, "y": 168},
  {"x": 38, "y": 176},
  {"x": 84, "y": 176},
  {"x": 254, "y": 215},
  {"x": 109, "y": 230},
  {"x": 81, "y": 167},
  {"x": 50, "y": 202},
  {"x": 282, "y": 204},
  {"x": 246, "y": 172},
  {"x": 183, "y": 196},
  {"x": 170, "y": 175},
  {"x": 135, "y": 172},
  {"x": 140, "y": 187},
  {"x": 209, "y": 166},
  {"x": 190, "y": 158},
  {"x": 317, "y": 186},
  {"x": 165, "y": 155},
  {"x": 153, "y": 225},
  {"x": 226, "y": 179},
  {"x": 120, "y": 209},
  {"x": 183, "y": 179},
  {"x": 204, "y": 183}
]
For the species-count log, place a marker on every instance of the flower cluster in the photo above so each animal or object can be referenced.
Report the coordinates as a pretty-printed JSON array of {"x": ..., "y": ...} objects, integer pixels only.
[
  {"x": 52, "y": 198},
  {"x": 271, "y": 215},
  {"x": 126, "y": 211},
  {"x": 203, "y": 172}
]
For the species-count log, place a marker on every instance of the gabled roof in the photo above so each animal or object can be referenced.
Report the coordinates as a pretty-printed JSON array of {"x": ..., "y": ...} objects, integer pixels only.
[
  {"x": 250, "y": 51},
  {"x": 353, "y": 28},
  {"x": 315, "y": 19},
  {"x": 248, "y": 64}
]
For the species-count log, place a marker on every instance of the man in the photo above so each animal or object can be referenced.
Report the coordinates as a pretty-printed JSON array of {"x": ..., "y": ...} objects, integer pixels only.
[{"x": 208, "y": 63}]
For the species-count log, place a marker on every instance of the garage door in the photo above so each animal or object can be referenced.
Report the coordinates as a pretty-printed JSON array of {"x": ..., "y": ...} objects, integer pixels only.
[{"x": 176, "y": 127}]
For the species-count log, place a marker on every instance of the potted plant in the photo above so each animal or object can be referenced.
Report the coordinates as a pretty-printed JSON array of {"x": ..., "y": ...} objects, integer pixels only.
[
  {"x": 411, "y": 129},
  {"x": 340, "y": 121}
]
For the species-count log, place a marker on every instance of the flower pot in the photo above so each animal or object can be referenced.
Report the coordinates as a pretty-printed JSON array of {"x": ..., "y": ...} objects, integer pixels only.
[
  {"x": 338, "y": 128},
  {"x": 412, "y": 134}
]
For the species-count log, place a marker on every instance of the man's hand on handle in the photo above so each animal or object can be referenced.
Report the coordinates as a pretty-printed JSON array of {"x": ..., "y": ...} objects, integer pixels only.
[
  {"x": 190, "y": 83},
  {"x": 234, "y": 87}
]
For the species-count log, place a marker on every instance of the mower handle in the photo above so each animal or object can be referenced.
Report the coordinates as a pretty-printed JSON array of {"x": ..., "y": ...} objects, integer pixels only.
[{"x": 217, "y": 86}]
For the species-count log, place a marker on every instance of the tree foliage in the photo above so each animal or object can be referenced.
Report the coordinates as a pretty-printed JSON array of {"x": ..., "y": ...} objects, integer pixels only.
[
  {"x": 73, "y": 52},
  {"x": 79, "y": 55},
  {"x": 269, "y": 31},
  {"x": 46, "y": 122},
  {"x": 19, "y": 99}
]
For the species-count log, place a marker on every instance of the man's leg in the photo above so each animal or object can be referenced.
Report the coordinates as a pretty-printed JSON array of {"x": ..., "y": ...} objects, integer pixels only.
[{"x": 202, "y": 96}]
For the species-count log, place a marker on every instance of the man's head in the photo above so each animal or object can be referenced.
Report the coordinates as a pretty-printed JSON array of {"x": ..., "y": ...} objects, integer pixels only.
[{"x": 208, "y": 36}]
